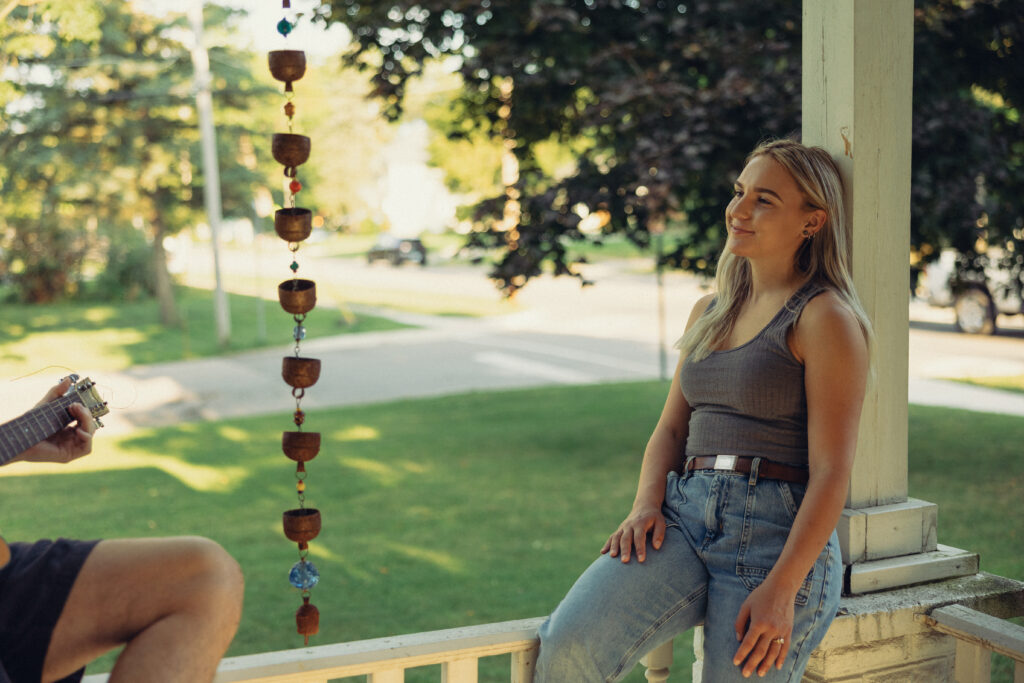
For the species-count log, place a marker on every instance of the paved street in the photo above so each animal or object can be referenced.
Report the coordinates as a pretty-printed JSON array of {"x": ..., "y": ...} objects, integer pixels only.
[{"x": 560, "y": 334}]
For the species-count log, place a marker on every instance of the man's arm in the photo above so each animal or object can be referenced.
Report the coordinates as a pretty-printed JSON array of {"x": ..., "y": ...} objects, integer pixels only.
[{"x": 68, "y": 444}]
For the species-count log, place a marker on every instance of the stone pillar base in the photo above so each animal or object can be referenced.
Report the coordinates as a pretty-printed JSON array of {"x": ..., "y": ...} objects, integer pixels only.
[{"x": 878, "y": 637}]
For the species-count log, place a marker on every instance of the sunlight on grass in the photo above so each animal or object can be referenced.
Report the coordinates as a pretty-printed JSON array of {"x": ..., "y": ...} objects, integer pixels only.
[
  {"x": 99, "y": 315},
  {"x": 430, "y": 303},
  {"x": 385, "y": 475},
  {"x": 73, "y": 349},
  {"x": 319, "y": 551},
  {"x": 437, "y": 559},
  {"x": 232, "y": 433},
  {"x": 357, "y": 433},
  {"x": 199, "y": 478},
  {"x": 83, "y": 336},
  {"x": 1014, "y": 383}
]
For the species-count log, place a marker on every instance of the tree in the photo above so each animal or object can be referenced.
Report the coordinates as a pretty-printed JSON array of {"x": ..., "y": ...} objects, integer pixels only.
[
  {"x": 100, "y": 144},
  {"x": 663, "y": 99},
  {"x": 968, "y": 146}
]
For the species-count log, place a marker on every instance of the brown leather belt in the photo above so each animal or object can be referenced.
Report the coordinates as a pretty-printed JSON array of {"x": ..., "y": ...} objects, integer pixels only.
[{"x": 742, "y": 464}]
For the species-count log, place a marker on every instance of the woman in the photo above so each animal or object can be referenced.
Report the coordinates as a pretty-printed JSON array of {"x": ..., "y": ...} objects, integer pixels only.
[{"x": 756, "y": 443}]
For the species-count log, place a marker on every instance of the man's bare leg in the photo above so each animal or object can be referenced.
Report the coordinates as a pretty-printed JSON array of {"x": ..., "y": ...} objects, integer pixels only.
[{"x": 175, "y": 603}]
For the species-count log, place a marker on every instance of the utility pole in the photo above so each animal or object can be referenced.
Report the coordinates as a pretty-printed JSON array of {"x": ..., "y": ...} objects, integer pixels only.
[
  {"x": 656, "y": 226},
  {"x": 211, "y": 185}
]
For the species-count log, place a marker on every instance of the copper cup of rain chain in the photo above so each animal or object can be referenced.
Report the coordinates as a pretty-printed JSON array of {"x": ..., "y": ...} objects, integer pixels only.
[
  {"x": 300, "y": 373},
  {"x": 294, "y": 224},
  {"x": 289, "y": 149},
  {"x": 287, "y": 65},
  {"x": 307, "y": 619},
  {"x": 297, "y": 296},
  {"x": 300, "y": 446},
  {"x": 301, "y": 524}
]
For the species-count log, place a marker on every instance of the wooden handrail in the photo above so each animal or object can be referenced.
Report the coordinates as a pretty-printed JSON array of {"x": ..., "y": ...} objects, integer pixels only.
[
  {"x": 384, "y": 660},
  {"x": 978, "y": 635}
]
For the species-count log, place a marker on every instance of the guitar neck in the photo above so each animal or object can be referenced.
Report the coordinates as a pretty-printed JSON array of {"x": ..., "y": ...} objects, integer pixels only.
[{"x": 40, "y": 423}]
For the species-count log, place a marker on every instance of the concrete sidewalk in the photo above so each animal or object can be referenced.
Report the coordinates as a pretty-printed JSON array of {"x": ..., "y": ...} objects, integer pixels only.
[{"x": 563, "y": 334}]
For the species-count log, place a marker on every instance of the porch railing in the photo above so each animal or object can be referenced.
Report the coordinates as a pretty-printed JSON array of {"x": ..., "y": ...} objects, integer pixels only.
[
  {"x": 978, "y": 635},
  {"x": 458, "y": 651},
  {"x": 385, "y": 660}
]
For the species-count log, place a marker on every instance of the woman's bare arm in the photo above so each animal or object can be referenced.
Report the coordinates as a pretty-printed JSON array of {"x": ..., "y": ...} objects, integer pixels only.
[
  {"x": 662, "y": 454},
  {"x": 831, "y": 344}
]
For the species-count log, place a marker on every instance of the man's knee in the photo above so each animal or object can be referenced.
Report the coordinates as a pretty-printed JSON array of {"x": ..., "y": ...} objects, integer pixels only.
[{"x": 220, "y": 583}]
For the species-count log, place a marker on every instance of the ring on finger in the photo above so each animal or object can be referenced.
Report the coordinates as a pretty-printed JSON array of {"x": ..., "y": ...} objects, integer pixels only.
[{"x": 780, "y": 640}]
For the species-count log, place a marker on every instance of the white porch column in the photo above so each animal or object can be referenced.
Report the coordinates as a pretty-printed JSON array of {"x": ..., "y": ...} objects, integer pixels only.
[{"x": 857, "y": 84}]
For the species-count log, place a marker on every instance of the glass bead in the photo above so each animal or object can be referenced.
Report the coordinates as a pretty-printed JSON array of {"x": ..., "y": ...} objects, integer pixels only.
[
  {"x": 294, "y": 186},
  {"x": 303, "y": 575},
  {"x": 299, "y": 418},
  {"x": 284, "y": 27},
  {"x": 294, "y": 266},
  {"x": 300, "y": 486},
  {"x": 289, "y": 110},
  {"x": 299, "y": 332}
]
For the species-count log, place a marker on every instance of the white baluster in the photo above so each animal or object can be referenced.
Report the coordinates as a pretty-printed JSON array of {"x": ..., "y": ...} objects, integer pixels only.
[
  {"x": 659, "y": 663},
  {"x": 459, "y": 671},
  {"x": 523, "y": 665}
]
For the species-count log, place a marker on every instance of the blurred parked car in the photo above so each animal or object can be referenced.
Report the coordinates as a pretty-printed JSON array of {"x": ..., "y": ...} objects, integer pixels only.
[
  {"x": 397, "y": 250},
  {"x": 977, "y": 302}
]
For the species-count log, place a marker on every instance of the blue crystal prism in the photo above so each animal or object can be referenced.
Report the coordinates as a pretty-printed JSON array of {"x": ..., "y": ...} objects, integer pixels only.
[
  {"x": 299, "y": 333},
  {"x": 303, "y": 575}
]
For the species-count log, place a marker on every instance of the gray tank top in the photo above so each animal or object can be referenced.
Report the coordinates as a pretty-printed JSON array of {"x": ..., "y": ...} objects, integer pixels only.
[{"x": 750, "y": 400}]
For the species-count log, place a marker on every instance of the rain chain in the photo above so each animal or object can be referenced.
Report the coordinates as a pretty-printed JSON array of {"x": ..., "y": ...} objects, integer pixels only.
[{"x": 293, "y": 224}]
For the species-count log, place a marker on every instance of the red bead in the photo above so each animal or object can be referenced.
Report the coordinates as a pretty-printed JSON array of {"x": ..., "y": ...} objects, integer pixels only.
[{"x": 294, "y": 186}]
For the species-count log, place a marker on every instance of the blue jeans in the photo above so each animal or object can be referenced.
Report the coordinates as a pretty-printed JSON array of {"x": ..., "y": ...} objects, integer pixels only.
[{"x": 725, "y": 532}]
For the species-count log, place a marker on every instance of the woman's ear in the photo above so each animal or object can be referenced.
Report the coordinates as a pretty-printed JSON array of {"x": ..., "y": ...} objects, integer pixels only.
[{"x": 815, "y": 221}]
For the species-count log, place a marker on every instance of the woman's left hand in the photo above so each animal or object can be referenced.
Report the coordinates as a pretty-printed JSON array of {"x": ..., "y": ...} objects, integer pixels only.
[{"x": 765, "y": 617}]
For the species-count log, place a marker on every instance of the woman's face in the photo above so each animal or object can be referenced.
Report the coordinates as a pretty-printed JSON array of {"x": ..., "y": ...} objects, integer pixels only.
[{"x": 768, "y": 213}]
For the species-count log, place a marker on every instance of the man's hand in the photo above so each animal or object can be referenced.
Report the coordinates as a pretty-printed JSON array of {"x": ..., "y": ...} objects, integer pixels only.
[{"x": 68, "y": 444}]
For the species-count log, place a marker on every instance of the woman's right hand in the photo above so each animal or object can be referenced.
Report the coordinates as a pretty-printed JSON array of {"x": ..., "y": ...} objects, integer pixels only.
[{"x": 632, "y": 534}]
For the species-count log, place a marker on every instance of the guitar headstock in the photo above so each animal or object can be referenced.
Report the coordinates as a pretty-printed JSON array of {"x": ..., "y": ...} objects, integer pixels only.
[{"x": 85, "y": 390}]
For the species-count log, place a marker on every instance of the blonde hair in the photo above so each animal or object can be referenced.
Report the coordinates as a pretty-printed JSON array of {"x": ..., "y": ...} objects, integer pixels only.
[{"x": 825, "y": 259}]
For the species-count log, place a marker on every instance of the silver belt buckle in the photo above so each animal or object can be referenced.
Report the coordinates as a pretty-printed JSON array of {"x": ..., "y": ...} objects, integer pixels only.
[{"x": 725, "y": 462}]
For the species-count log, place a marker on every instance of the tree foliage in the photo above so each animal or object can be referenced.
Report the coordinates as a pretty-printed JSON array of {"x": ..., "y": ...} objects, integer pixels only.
[
  {"x": 662, "y": 100},
  {"x": 99, "y": 144},
  {"x": 968, "y": 141}
]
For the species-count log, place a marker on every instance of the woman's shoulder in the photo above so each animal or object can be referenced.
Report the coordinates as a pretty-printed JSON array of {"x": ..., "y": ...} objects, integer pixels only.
[
  {"x": 700, "y": 308},
  {"x": 827, "y": 321},
  {"x": 827, "y": 307}
]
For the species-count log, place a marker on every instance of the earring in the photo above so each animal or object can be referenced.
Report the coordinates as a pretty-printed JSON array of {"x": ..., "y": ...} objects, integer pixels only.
[{"x": 807, "y": 234}]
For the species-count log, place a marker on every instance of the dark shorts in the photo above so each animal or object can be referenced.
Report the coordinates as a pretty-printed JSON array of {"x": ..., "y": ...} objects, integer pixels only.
[{"x": 33, "y": 589}]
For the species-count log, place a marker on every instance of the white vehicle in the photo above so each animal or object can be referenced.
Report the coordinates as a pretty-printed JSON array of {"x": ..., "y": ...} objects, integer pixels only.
[{"x": 977, "y": 302}]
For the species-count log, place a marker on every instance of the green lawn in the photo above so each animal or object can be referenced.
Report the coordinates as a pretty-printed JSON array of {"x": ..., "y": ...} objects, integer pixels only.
[
  {"x": 118, "y": 336},
  {"x": 454, "y": 511},
  {"x": 1013, "y": 383}
]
